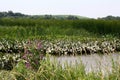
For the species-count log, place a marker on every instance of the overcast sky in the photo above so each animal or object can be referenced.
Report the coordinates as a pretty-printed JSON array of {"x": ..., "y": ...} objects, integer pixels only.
[{"x": 88, "y": 8}]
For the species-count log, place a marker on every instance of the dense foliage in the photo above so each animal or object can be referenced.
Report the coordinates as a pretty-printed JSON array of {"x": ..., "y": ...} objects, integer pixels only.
[
  {"x": 37, "y": 27},
  {"x": 110, "y": 17},
  {"x": 11, "y": 14}
]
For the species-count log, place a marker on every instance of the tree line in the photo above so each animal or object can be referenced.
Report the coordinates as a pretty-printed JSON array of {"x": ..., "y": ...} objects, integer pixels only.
[{"x": 11, "y": 14}]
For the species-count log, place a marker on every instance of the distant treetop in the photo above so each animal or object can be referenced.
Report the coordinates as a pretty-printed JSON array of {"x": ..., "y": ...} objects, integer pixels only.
[
  {"x": 11, "y": 14},
  {"x": 110, "y": 17}
]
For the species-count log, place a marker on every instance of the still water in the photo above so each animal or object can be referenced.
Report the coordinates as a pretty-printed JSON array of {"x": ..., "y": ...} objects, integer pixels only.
[{"x": 92, "y": 62}]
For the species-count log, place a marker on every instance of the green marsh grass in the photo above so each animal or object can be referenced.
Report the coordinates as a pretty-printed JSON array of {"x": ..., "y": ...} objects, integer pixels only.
[
  {"x": 85, "y": 30},
  {"x": 52, "y": 71},
  {"x": 27, "y": 28}
]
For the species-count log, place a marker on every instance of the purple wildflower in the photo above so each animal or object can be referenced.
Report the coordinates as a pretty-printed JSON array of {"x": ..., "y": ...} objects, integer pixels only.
[{"x": 28, "y": 65}]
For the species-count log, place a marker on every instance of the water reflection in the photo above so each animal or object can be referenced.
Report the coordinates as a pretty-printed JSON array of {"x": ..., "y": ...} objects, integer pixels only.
[{"x": 92, "y": 62}]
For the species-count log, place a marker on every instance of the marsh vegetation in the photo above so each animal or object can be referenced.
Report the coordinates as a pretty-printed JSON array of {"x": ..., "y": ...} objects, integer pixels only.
[{"x": 27, "y": 46}]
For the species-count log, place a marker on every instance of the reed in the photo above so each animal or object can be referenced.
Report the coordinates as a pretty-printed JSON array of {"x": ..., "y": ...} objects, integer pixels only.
[
  {"x": 26, "y": 28},
  {"x": 54, "y": 71}
]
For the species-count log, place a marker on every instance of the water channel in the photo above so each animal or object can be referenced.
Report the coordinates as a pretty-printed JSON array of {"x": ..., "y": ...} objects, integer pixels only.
[{"x": 92, "y": 62}]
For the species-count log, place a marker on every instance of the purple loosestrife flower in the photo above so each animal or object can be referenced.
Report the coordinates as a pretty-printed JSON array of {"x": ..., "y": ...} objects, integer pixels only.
[
  {"x": 27, "y": 56},
  {"x": 24, "y": 56},
  {"x": 28, "y": 65}
]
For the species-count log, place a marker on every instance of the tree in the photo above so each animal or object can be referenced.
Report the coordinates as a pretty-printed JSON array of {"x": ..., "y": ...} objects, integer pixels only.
[
  {"x": 10, "y": 13},
  {"x": 48, "y": 17},
  {"x": 72, "y": 17}
]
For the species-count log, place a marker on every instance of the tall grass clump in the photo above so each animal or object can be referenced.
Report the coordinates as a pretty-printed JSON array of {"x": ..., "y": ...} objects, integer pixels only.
[
  {"x": 115, "y": 70},
  {"x": 52, "y": 70}
]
